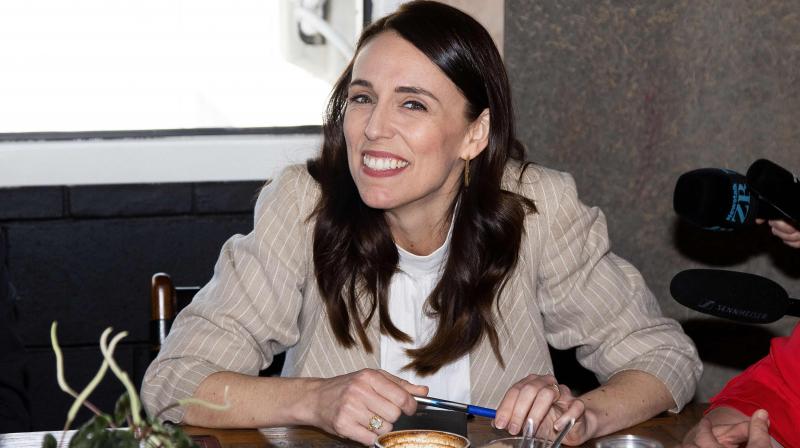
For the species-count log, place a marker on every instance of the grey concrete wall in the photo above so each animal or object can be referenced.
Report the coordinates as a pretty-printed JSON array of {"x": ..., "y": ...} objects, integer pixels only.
[{"x": 627, "y": 95}]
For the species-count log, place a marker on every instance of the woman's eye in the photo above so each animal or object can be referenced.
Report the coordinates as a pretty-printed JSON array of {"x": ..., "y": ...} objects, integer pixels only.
[
  {"x": 360, "y": 99},
  {"x": 414, "y": 105}
]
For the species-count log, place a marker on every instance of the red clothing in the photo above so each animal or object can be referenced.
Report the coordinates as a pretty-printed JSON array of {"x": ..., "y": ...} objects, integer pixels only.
[{"x": 772, "y": 383}]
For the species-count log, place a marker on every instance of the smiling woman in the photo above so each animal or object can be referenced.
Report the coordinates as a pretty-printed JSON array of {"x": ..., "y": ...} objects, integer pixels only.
[{"x": 419, "y": 254}]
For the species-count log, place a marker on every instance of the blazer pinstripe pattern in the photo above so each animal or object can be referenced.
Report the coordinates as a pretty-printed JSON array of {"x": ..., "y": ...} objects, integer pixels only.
[{"x": 567, "y": 290}]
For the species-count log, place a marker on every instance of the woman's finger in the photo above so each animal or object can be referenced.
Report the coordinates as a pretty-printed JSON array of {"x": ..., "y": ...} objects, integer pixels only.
[
  {"x": 574, "y": 411},
  {"x": 565, "y": 396},
  {"x": 516, "y": 405},
  {"x": 521, "y": 407},
  {"x": 363, "y": 435},
  {"x": 506, "y": 407},
  {"x": 375, "y": 423},
  {"x": 352, "y": 421},
  {"x": 415, "y": 389},
  {"x": 394, "y": 391},
  {"x": 545, "y": 398},
  {"x": 362, "y": 423},
  {"x": 382, "y": 409}
]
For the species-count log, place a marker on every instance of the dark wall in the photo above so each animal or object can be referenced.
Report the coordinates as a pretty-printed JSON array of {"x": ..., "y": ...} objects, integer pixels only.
[
  {"x": 627, "y": 95},
  {"x": 84, "y": 256}
]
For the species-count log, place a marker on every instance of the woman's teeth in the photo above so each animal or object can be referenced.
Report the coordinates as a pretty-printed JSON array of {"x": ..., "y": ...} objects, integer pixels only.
[{"x": 383, "y": 163}]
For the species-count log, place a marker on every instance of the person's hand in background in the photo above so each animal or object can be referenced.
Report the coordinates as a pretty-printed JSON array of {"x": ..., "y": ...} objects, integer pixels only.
[
  {"x": 750, "y": 433},
  {"x": 710, "y": 430},
  {"x": 784, "y": 231}
]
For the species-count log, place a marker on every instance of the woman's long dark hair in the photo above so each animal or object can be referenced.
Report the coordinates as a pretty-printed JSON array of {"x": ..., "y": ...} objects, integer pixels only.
[{"x": 354, "y": 253}]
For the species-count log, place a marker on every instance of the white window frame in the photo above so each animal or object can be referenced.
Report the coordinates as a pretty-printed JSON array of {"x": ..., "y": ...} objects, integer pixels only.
[{"x": 152, "y": 160}]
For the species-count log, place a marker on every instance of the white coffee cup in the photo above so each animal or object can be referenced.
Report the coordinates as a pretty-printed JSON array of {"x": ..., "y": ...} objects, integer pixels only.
[{"x": 421, "y": 438}]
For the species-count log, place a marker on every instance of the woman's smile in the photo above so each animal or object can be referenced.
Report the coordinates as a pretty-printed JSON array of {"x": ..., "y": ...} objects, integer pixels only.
[{"x": 382, "y": 164}]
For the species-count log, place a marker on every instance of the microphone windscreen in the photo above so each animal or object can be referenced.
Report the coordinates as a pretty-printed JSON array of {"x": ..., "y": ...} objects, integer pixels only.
[
  {"x": 714, "y": 199},
  {"x": 733, "y": 295},
  {"x": 777, "y": 186}
]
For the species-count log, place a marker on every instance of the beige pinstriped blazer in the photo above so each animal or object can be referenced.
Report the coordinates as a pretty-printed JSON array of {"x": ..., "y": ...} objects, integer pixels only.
[{"x": 567, "y": 290}]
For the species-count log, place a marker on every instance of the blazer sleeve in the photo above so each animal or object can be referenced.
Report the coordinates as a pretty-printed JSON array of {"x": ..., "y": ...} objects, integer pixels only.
[
  {"x": 598, "y": 302},
  {"x": 249, "y": 310}
]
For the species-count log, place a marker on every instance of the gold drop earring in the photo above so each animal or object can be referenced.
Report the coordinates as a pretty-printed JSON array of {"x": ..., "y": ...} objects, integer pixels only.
[{"x": 466, "y": 172}]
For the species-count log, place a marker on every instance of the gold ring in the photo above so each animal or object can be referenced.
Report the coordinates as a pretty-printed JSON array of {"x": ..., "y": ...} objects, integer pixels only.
[
  {"x": 556, "y": 390},
  {"x": 375, "y": 423}
]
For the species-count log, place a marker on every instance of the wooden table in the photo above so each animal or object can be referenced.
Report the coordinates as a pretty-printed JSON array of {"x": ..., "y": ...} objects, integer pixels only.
[{"x": 667, "y": 429}]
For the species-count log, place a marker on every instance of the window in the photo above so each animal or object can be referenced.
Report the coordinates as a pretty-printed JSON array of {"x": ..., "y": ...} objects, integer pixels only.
[
  {"x": 100, "y": 65},
  {"x": 229, "y": 87}
]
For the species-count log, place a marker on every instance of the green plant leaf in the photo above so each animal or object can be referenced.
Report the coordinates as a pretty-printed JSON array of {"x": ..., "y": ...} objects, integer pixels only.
[
  {"x": 91, "y": 432},
  {"x": 49, "y": 441},
  {"x": 91, "y": 440},
  {"x": 179, "y": 438},
  {"x": 96, "y": 435},
  {"x": 122, "y": 409},
  {"x": 167, "y": 435},
  {"x": 122, "y": 439}
]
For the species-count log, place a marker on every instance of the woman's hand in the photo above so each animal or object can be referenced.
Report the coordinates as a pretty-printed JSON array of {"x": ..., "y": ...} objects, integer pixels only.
[
  {"x": 550, "y": 405},
  {"x": 784, "y": 231},
  {"x": 347, "y": 405},
  {"x": 751, "y": 433}
]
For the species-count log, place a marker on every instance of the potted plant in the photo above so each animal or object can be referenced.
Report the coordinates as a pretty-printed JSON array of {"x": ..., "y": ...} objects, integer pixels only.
[{"x": 128, "y": 426}]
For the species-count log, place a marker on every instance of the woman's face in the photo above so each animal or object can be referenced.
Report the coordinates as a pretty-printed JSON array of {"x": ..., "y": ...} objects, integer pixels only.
[{"x": 405, "y": 128}]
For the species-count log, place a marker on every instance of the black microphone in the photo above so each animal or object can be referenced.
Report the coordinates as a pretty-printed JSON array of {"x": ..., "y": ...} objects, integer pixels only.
[
  {"x": 778, "y": 187},
  {"x": 733, "y": 295},
  {"x": 718, "y": 199}
]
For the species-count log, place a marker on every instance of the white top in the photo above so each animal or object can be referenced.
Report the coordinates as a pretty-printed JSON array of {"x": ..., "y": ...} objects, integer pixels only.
[{"x": 408, "y": 294}]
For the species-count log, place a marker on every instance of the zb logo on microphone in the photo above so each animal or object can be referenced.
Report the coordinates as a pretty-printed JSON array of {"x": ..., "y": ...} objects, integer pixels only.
[{"x": 740, "y": 204}]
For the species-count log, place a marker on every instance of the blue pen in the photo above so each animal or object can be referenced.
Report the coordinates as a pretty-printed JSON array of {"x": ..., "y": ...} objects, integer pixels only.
[{"x": 453, "y": 406}]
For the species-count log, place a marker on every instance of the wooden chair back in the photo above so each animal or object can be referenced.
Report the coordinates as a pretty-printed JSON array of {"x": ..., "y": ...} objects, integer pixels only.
[{"x": 166, "y": 300}]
